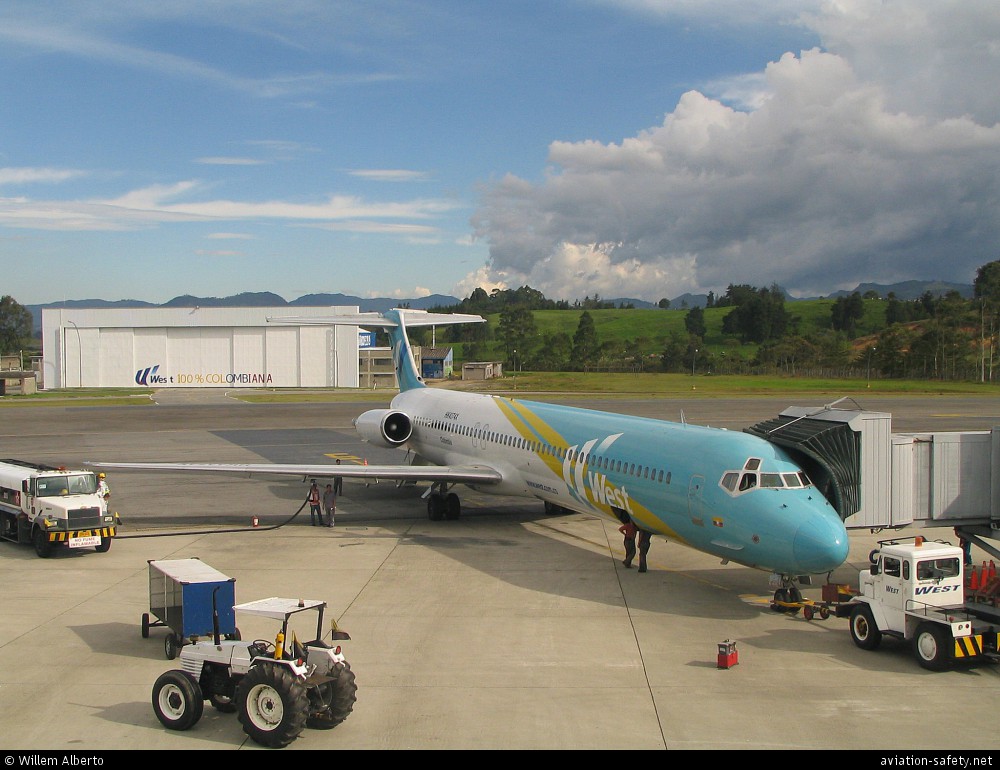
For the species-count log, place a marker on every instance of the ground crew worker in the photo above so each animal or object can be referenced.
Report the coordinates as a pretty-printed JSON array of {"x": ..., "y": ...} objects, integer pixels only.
[
  {"x": 644, "y": 537},
  {"x": 629, "y": 531},
  {"x": 338, "y": 483},
  {"x": 329, "y": 504},
  {"x": 315, "y": 505},
  {"x": 103, "y": 489}
]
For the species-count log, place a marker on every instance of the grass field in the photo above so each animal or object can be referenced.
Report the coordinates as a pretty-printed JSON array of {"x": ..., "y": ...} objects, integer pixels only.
[{"x": 650, "y": 329}]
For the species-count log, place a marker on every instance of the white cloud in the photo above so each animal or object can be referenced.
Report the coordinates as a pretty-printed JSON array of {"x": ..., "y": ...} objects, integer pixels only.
[
  {"x": 390, "y": 175},
  {"x": 834, "y": 172},
  {"x": 224, "y": 161},
  {"x": 30, "y": 175},
  {"x": 149, "y": 206}
]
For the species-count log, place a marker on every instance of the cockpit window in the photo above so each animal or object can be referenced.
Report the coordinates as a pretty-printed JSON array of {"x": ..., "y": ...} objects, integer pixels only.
[
  {"x": 791, "y": 479},
  {"x": 738, "y": 482}
]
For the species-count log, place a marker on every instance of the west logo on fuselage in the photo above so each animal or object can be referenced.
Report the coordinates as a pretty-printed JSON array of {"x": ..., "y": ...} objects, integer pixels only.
[{"x": 580, "y": 479}]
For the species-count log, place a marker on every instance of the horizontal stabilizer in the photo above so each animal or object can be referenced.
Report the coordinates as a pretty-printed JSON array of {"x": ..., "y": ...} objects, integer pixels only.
[{"x": 409, "y": 318}]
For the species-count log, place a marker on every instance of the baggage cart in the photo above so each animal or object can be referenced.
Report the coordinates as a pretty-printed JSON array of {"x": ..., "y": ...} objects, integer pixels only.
[{"x": 181, "y": 599}]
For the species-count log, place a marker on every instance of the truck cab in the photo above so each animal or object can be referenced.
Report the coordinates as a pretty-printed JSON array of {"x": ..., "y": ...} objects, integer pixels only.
[
  {"x": 50, "y": 507},
  {"x": 915, "y": 591}
]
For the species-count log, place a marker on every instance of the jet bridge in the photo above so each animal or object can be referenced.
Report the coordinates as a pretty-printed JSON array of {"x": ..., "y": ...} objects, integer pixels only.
[{"x": 877, "y": 479}]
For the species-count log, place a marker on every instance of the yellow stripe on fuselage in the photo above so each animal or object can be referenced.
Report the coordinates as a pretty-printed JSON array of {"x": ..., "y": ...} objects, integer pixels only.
[{"x": 532, "y": 428}]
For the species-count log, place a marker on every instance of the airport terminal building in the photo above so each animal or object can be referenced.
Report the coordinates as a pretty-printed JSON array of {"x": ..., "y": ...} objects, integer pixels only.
[{"x": 192, "y": 347}]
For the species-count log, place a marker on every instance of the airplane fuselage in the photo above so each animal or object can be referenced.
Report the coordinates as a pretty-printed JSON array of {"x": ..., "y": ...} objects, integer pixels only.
[{"x": 730, "y": 494}]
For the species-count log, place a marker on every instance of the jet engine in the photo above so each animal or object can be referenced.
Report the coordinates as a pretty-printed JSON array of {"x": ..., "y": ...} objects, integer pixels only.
[{"x": 384, "y": 427}]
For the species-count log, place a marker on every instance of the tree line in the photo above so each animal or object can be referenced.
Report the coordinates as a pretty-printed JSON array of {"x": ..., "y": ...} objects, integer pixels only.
[{"x": 932, "y": 337}]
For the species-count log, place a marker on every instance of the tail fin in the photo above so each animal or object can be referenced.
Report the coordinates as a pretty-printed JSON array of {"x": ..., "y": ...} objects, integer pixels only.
[{"x": 396, "y": 321}]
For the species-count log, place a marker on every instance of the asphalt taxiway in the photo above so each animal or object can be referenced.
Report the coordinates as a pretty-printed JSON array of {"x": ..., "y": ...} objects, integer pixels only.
[{"x": 507, "y": 629}]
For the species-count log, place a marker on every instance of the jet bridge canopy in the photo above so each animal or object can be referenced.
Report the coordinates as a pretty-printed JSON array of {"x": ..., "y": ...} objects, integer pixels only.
[{"x": 830, "y": 453}]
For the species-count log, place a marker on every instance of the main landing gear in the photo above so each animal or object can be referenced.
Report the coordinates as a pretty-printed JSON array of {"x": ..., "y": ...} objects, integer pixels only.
[{"x": 442, "y": 504}]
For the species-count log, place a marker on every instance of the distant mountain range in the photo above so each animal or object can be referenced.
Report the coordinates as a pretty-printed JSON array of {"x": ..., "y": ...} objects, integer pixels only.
[{"x": 906, "y": 290}]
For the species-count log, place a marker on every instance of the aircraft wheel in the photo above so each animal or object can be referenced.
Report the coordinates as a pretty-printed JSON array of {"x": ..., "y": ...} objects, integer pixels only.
[
  {"x": 177, "y": 700},
  {"x": 781, "y": 598},
  {"x": 864, "y": 632},
  {"x": 930, "y": 645},
  {"x": 794, "y": 597},
  {"x": 435, "y": 507},
  {"x": 452, "y": 507}
]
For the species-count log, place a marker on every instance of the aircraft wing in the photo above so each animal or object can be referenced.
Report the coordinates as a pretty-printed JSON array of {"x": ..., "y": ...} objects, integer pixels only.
[{"x": 456, "y": 474}]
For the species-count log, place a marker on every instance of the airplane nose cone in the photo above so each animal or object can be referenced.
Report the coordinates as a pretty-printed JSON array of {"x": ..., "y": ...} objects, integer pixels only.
[{"x": 820, "y": 544}]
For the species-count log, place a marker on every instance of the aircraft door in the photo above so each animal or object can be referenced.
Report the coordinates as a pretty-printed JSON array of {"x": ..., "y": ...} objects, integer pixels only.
[{"x": 696, "y": 503}]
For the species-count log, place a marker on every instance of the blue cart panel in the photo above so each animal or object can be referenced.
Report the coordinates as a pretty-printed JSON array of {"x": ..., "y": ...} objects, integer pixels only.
[{"x": 180, "y": 596}]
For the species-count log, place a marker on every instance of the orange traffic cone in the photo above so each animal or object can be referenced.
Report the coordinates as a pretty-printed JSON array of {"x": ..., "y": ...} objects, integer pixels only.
[
  {"x": 974, "y": 579},
  {"x": 993, "y": 570}
]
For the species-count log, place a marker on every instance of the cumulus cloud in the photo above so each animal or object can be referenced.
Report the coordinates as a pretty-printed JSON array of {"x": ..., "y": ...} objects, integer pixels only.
[{"x": 875, "y": 157}]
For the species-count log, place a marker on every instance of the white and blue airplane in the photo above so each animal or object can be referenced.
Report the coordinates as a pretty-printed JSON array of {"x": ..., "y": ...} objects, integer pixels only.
[{"x": 729, "y": 494}]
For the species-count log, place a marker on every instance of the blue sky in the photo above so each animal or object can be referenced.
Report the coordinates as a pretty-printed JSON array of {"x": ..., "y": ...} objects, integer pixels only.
[{"x": 637, "y": 148}]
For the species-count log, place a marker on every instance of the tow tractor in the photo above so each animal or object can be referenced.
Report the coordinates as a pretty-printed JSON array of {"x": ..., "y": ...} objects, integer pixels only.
[
  {"x": 277, "y": 688},
  {"x": 915, "y": 591}
]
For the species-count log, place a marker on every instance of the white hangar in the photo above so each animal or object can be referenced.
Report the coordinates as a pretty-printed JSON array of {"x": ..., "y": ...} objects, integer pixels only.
[{"x": 192, "y": 347}]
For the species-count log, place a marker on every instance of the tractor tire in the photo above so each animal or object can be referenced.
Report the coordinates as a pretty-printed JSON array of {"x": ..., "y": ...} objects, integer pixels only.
[
  {"x": 43, "y": 546},
  {"x": 341, "y": 695},
  {"x": 864, "y": 632},
  {"x": 177, "y": 700},
  {"x": 145, "y": 625},
  {"x": 931, "y": 646},
  {"x": 105, "y": 545},
  {"x": 272, "y": 705}
]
